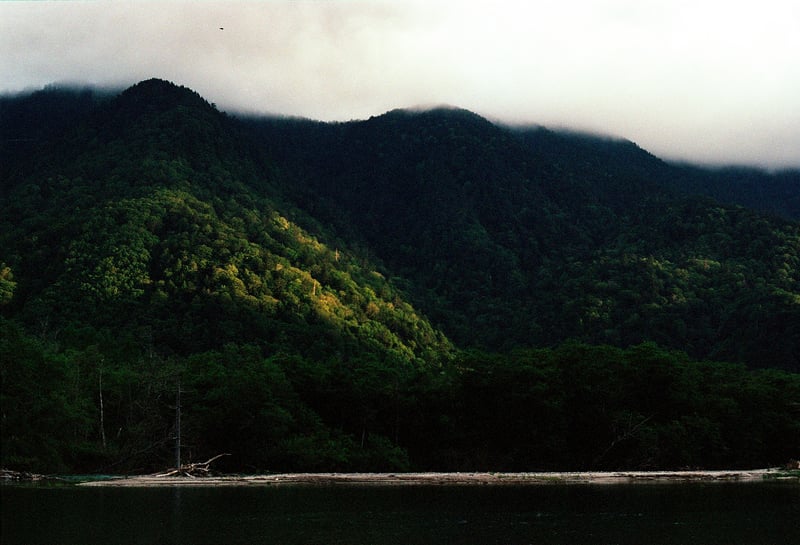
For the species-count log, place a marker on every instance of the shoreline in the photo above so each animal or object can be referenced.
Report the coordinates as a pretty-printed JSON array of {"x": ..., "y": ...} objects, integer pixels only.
[{"x": 453, "y": 479}]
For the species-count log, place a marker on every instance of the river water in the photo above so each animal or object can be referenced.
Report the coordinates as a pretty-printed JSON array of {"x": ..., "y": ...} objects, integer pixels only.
[{"x": 652, "y": 514}]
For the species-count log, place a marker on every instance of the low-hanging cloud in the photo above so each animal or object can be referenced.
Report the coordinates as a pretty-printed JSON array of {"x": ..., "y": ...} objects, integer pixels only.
[{"x": 699, "y": 80}]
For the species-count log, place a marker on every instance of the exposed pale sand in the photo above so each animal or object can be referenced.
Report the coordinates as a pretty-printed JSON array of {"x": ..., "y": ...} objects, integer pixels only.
[{"x": 474, "y": 479}]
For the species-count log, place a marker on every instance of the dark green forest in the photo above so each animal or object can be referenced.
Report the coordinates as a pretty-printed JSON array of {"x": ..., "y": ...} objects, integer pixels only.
[{"x": 420, "y": 290}]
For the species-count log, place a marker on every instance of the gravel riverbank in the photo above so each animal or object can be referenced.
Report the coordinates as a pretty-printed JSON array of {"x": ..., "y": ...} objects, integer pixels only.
[{"x": 576, "y": 478}]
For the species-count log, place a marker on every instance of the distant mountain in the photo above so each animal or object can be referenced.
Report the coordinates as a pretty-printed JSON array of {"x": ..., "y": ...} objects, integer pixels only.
[
  {"x": 776, "y": 194},
  {"x": 394, "y": 293},
  {"x": 29, "y": 122}
]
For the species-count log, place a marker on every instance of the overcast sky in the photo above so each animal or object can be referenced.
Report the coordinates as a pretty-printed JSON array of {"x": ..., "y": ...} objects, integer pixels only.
[{"x": 702, "y": 80}]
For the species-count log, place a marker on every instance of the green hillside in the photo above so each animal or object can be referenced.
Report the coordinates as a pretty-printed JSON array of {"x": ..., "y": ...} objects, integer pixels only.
[
  {"x": 420, "y": 290},
  {"x": 148, "y": 244},
  {"x": 525, "y": 237}
]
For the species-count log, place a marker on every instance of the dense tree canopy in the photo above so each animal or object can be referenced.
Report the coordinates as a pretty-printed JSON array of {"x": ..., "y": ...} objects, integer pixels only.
[
  {"x": 525, "y": 237},
  {"x": 419, "y": 290}
]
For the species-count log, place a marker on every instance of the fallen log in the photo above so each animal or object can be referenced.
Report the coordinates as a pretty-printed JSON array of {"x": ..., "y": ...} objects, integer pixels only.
[{"x": 196, "y": 469}]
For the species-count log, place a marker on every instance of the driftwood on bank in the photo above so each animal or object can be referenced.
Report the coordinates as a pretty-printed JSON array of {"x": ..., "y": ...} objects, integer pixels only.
[{"x": 197, "y": 469}]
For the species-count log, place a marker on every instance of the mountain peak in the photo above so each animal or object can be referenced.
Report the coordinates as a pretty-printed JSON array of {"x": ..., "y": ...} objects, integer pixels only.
[
  {"x": 157, "y": 94},
  {"x": 439, "y": 112}
]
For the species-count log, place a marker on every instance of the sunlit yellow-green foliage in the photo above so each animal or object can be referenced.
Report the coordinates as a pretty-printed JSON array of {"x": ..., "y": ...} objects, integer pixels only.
[
  {"x": 7, "y": 284},
  {"x": 172, "y": 245}
]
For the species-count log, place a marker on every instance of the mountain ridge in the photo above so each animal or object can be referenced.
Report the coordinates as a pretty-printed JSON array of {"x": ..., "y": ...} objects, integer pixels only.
[
  {"x": 526, "y": 199},
  {"x": 366, "y": 295},
  {"x": 445, "y": 193}
]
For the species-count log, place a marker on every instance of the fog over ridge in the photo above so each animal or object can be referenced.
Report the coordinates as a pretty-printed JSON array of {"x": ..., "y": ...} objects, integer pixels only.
[{"x": 702, "y": 81}]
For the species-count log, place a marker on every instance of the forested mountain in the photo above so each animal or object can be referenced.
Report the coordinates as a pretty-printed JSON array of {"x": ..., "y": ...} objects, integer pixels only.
[
  {"x": 383, "y": 294},
  {"x": 148, "y": 234},
  {"x": 511, "y": 238}
]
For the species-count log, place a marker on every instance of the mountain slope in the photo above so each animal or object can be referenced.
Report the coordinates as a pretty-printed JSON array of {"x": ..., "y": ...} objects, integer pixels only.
[
  {"x": 157, "y": 191},
  {"x": 527, "y": 237},
  {"x": 149, "y": 237}
]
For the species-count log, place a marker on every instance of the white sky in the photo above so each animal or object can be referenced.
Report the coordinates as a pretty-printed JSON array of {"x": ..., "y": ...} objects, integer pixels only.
[{"x": 702, "y": 80}]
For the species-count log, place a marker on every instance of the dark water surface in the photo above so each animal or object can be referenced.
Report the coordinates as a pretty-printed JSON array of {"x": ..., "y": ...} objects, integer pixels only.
[{"x": 353, "y": 515}]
